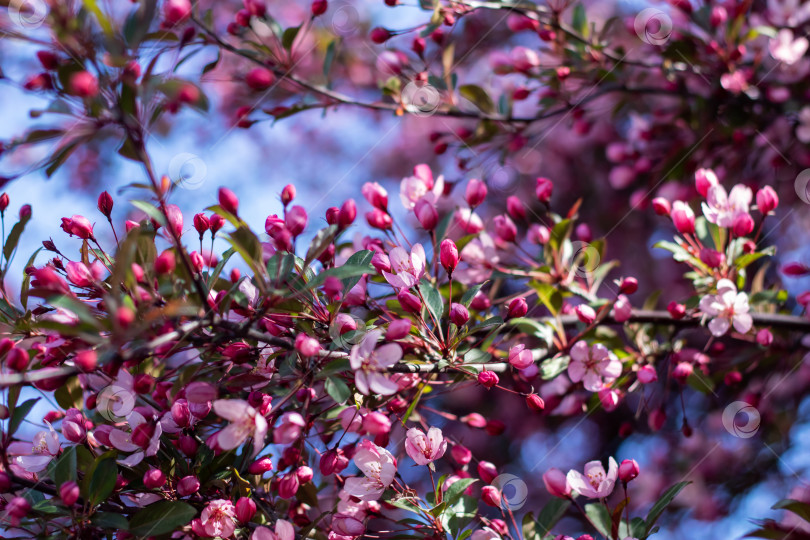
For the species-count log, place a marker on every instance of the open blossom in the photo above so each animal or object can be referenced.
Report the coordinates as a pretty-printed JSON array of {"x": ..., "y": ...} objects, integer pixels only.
[
  {"x": 379, "y": 468},
  {"x": 595, "y": 366},
  {"x": 595, "y": 483},
  {"x": 289, "y": 429},
  {"x": 218, "y": 519},
  {"x": 424, "y": 449},
  {"x": 406, "y": 270},
  {"x": 727, "y": 308},
  {"x": 368, "y": 361},
  {"x": 245, "y": 422},
  {"x": 283, "y": 531},
  {"x": 421, "y": 185},
  {"x": 122, "y": 440},
  {"x": 34, "y": 457},
  {"x": 787, "y": 48},
  {"x": 722, "y": 209}
]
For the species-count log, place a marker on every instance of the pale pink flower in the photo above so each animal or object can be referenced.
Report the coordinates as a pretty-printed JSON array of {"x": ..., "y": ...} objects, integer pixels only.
[
  {"x": 727, "y": 308},
  {"x": 595, "y": 483},
  {"x": 289, "y": 429},
  {"x": 485, "y": 534},
  {"x": 481, "y": 257},
  {"x": 379, "y": 468},
  {"x": 520, "y": 357},
  {"x": 34, "y": 457},
  {"x": 722, "y": 209},
  {"x": 467, "y": 221},
  {"x": 79, "y": 274},
  {"x": 369, "y": 362},
  {"x": 245, "y": 422},
  {"x": 218, "y": 518},
  {"x": 406, "y": 269},
  {"x": 424, "y": 449},
  {"x": 595, "y": 366},
  {"x": 122, "y": 440},
  {"x": 283, "y": 531},
  {"x": 421, "y": 185},
  {"x": 622, "y": 309},
  {"x": 785, "y": 48}
]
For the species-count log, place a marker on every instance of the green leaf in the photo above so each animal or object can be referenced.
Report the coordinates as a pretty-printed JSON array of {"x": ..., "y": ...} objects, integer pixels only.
[
  {"x": 14, "y": 237},
  {"x": 161, "y": 518},
  {"x": 801, "y": 509},
  {"x": 151, "y": 211},
  {"x": 470, "y": 293},
  {"x": 433, "y": 300},
  {"x": 659, "y": 507},
  {"x": 329, "y": 57},
  {"x": 110, "y": 520},
  {"x": 63, "y": 469},
  {"x": 554, "y": 366},
  {"x": 322, "y": 240},
  {"x": 289, "y": 36},
  {"x": 457, "y": 489},
  {"x": 580, "y": 20},
  {"x": 549, "y": 296},
  {"x": 337, "y": 389},
  {"x": 478, "y": 96},
  {"x": 534, "y": 328},
  {"x": 19, "y": 413},
  {"x": 551, "y": 513},
  {"x": 600, "y": 517},
  {"x": 99, "y": 481}
]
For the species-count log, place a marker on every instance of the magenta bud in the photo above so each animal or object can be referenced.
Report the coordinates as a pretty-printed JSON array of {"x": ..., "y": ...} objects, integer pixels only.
[
  {"x": 188, "y": 485},
  {"x": 628, "y": 470},
  {"x": 459, "y": 314},
  {"x": 154, "y": 478},
  {"x": 245, "y": 509},
  {"x": 488, "y": 379},
  {"x": 517, "y": 308},
  {"x": 69, "y": 493}
]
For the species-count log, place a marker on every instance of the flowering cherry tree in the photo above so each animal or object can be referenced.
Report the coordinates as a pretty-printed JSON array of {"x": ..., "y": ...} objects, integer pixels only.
[{"x": 378, "y": 370}]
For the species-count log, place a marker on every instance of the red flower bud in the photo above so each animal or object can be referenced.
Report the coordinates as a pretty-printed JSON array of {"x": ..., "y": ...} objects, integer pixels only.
[
  {"x": 543, "y": 190},
  {"x": 245, "y": 509},
  {"x": 83, "y": 84},
  {"x": 409, "y": 301},
  {"x": 676, "y": 310},
  {"x": 491, "y": 496},
  {"x": 260, "y": 78},
  {"x": 154, "y": 478},
  {"x": 17, "y": 359},
  {"x": 228, "y": 200},
  {"x": 105, "y": 204},
  {"x": 379, "y": 219},
  {"x": 188, "y": 485},
  {"x": 628, "y": 470},
  {"x": 165, "y": 263},
  {"x": 261, "y": 466},
  {"x": 517, "y": 308},
  {"x": 448, "y": 255},
  {"x": 319, "y": 7},
  {"x": 176, "y": 11},
  {"x": 380, "y": 35},
  {"x": 488, "y": 379},
  {"x": 535, "y": 402},
  {"x": 743, "y": 225},
  {"x": 287, "y": 194}
]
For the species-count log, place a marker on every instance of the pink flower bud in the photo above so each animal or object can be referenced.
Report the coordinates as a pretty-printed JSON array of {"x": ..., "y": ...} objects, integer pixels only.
[
  {"x": 480, "y": 302},
  {"x": 288, "y": 486},
  {"x": 398, "y": 329},
  {"x": 380, "y": 35},
  {"x": 712, "y": 258},
  {"x": 83, "y": 84},
  {"x": 657, "y": 419},
  {"x": 505, "y": 228},
  {"x": 583, "y": 233},
  {"x": 539, "y": 234},
  {"x": 86, "y": 360},
  {"x": 379, "y": 219},
  {"x": 556, "y": 483},
  {"x": 306, "y": 345},
  {"x": 4, "y": 200},
  {"x": 176, "y": 11},
  {"x": 767, "y": 200},
  {"x": 165, "y": 263},
  {"x": 78, "y": 226},
  {"x": 296, "y": 220},
  {"x": 704, "y": 179},
  {"x": 175, "y": 219},
  {"x": 154, "y": 478},
  {"x": 459, "y": 314},
  {"x": 733, "y": 378},
  {"x": 318, "y": 7},
  {"x": 487, "y": 471},
  {"x": 622, "y": 309},
  {"x": 718, "y": 16},
  {"x": 217, "y": 222},
  {"x": 228, "y": 200},
  {"x": 376, "y": 195},
  {"x": 245, "y": 509},
  {"x": 376, "y": 423},
  {"x": 543, "y": 190},
  {"x": 17, "y": 359},
  {"x": 609, "y": 398},
  {"x": 188, "y": 445},
  {"x": 661, "y": 206},
  {"x": 647, "y": 374},
  {"x": 304, "y": 473},
  {"x": 476, "y": 192},
  {"x": 188, "y": 485},
  {"x": 491, "y": 496},
  {"x": 517, "y": 308},
  {"x": 585, "y": 313},
  {"x": 682, "y": 371},
  {"x": 287, "y": 194},
  {"x": 409, "y": 301},
  {"x": 515, "y": 208},
  {"x": 488, "y": 379},
  {"x": 426, "y": 213},
  {"x": 197, "y": 262},
  {"x": 743, "y": 225},
  {"x": 461, "y": 454},
  {"x": 795, "y": 269},
  {"x": 105, "y": 203},
  {"x": 347, "y": 214},
  {"x": 628, "y": 470},
  {"x": 683, "y": 217},
  {"x": 535, "y": 402},
  {"x": 629, "y": 285},
  {"x": 765, "y": 337},
  {"x": 18, "y": 508},
  {"x": 676, "y": 310},
  {"x": 381, "y": 262},
  {"x": 261, "y": 466},
  {"x": 69, "y": 493},
  {"x": 475, "y": 420},
  {"x": 520, "y": 357},
  {"x": 260, "y": 78},
  {"x": 448, "y": 254}
]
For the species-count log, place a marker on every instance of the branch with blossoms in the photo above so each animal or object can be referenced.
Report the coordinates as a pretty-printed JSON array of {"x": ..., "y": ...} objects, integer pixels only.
[{"x": 239, "y": 412}]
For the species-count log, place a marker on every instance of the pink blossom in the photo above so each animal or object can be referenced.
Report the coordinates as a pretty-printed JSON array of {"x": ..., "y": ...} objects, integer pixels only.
[
  {"x": 520, "y": 357},
  {"x": 622, "y": 309},
  {"x": 379, "y": 468},
  {"x": 424, "y": 449},
  {"x": 595, "y": 366},
  {"x": 34, "y": 457},
  {"x": 683, "y": 217},
  {"x": 727, "y": 308},
  {"x": 722, "y": 209},
  {"x": 556, "y": 483},
  {"x": 79, "y": 274},
  {"x": 283, "y": 531},
  {"x": 407, "y": 269},
  {"x": 467, "y": 221},
  {"x": 368, "y": 362},
  {"x": 376, "y": 195},
  {"x": 218, "y": 518},
  {"x": 122, "y": 440},
  {"x": 289, "y": 429},
  {"x": 595, "y": 483},
  {"x": 421, "y": 185},
  {"x": 245, "y": 422},
  {"x": 786, "y": 49}
]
